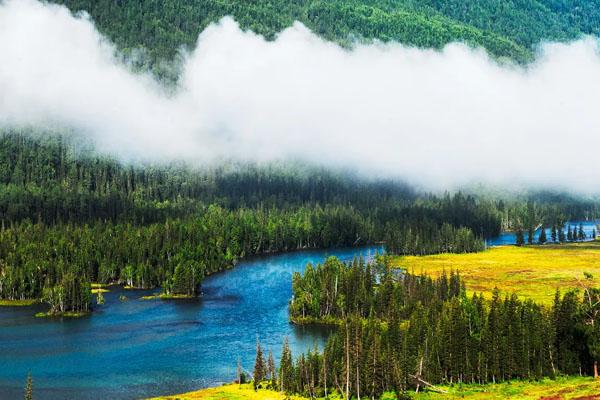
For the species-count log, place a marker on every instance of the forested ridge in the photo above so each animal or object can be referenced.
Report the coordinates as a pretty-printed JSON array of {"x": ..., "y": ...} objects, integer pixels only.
[
  {"x": 397, "y": 331},
  {"x": 69, "y": 217},
  {"x": 510, "y": 29}
]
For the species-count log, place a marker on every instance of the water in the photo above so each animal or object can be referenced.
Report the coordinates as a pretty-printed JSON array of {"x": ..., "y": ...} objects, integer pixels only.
[
  {"x": 507, "y": 238},
  {"x": 139, "y": 348}
]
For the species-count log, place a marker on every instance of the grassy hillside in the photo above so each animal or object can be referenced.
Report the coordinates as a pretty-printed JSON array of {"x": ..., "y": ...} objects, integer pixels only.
[
  {"x": 530, "y": 271},
  {"x": 572, "y": 388},
  {"x": 505, "y": 28}
]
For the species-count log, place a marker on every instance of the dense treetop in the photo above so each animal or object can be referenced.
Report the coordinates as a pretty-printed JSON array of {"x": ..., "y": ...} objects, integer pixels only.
[{"x": 505, "y": 28}]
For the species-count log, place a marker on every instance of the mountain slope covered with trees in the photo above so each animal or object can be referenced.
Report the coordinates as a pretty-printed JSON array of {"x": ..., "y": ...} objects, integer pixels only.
[{"x": 507, "y": 29}]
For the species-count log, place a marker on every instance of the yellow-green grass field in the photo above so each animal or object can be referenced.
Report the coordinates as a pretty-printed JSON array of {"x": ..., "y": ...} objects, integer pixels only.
[
  {"x": 572, "y": 388},
  {"x": 231, "y": 392},
  {"x": 529, "y": 271},
  {"x": 17, "y": 303}
]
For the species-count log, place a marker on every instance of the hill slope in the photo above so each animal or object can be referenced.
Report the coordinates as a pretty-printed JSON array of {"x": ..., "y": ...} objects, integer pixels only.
[{"x": 505, "y": 28}]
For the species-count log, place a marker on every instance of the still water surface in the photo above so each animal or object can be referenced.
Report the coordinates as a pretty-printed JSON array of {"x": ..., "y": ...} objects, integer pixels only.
[
  {"x": 507, "y": 238},
  {"x": 139, "y": 348}
]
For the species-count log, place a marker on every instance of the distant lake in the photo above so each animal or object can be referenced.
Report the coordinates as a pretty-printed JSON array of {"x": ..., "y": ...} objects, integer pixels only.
[
  {"x": 506, "y": 238},
  {"x": 139, "y": 348}
]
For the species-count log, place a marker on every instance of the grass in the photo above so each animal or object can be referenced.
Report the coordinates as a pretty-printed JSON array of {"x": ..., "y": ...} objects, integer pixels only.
[
  {"x": 529, "y": 271},
  {"x": 163, "y": 296},
  {"x": 18, "y": 303},
  {"x": 230, "y": 392},
  {"x": 571, "y": 388},
  {"x": 66, "y": 314},
  {"x": 564, "y": 388}
]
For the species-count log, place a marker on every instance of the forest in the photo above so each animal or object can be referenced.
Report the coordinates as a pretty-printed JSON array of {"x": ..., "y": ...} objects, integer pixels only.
[
  {"x": 153, "y": 32},
  {"x": 70, "y": 217},
  {"x": 396, "y": 331}
]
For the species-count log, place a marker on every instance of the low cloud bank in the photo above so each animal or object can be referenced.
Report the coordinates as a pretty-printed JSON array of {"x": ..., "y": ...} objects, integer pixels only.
[{"x": 438, "y": 119}]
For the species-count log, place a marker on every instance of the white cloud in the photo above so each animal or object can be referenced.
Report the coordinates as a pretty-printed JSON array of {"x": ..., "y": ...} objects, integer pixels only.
[{"x": 435, "y": 118}]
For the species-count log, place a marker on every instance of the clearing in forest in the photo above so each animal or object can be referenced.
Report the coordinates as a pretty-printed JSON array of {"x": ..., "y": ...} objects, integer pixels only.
[{"x": 534, "y": 271}]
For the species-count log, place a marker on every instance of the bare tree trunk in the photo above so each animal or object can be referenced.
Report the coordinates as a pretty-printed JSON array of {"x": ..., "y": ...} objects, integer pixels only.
[
  {"x": 347, "y": 363},
  {"x": 325, "y": 372}
]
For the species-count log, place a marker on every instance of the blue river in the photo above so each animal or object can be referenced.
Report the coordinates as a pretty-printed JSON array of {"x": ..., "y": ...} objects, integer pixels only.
[{"x": 139, "y": 348}]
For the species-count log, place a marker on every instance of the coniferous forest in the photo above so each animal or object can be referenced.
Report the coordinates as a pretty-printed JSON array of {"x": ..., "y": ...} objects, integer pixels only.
[
  {"x": 509, "y": 30},
  {"x": 70, "y": 218},
  {"x": 77, "y": 221},
  {"x": 397, "y": 332}
]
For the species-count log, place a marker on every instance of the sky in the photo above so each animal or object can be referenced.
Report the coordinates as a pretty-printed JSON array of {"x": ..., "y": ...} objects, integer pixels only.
[{"x": 438, "y": 119}]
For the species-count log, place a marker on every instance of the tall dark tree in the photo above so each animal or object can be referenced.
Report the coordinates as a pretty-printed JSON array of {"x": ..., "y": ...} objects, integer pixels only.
[
  {"x": 286, "y": 368},
  {"x": 553, "y": 233},
  {"x": 561, "y": 234},
  {"x": 580, "y": 233},
  {"x": 519, "y": 237},
  {"x": 259, "y": 366},
  {"x": 542, "y": 238},
  {"x": 271, "y": 371}
]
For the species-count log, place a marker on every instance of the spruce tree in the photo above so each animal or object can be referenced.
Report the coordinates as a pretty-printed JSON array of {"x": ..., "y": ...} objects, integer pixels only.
[
  {"x": 530, "y": 234},
  {"x": 569, "y": 234},
  {"x": 286, "y": 368},
  {"x": 272, "y": 375},
  {"x": 561, "y": 234},
  {"x": 581, "y": 233},
  {"x": 543, "y": 238},
  {"x": 553, "y": 233},
  {"x": 259, "y": 366},
  {"x": 29, "y": 388},
  {"x": 520, "y": 238}
]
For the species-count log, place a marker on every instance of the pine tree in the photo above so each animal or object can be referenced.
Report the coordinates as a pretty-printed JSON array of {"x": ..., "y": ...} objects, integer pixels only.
[
  {"x": 581, "y": 233},
  {"x": 561, "y": 234},
  {"x": 286, "y": 368},
  {"x": 272, "y": 375},
  {"x": 29, "y": 388},
  {"x": 520, "y": 238},
  {"x": 569, "y": 234},
  {"x": 553, "y": 233},
  {"x": 542, "y": 238},
  {"x": 530, "y": 234},
  {"x": 259, "y": 366}
]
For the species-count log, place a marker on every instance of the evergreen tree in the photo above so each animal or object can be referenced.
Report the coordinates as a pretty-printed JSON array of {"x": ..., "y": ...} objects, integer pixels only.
[
  {"x": 286, "y": 368},
  {"x": 519, "y": 237},
  {"x": 530, "y": 234},
  {"x": 271, "y": 372},
  {"x": 542, "y": 238},
  {"x": 569, "y": 234},
  {"x": 561, "y": 234},
  {"x": 553, "y": 233},
  {"x": 581, "y": 233},
  {"x": 259, "y": 366}
]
